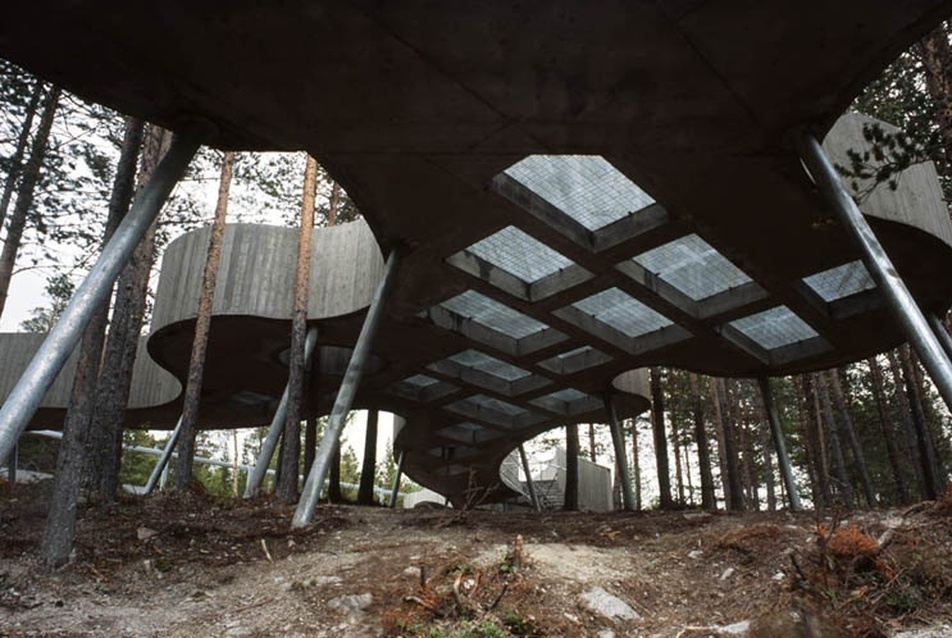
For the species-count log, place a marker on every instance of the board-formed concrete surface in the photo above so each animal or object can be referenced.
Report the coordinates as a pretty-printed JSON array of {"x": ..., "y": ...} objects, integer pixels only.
[{"x": 577, "y": 189}]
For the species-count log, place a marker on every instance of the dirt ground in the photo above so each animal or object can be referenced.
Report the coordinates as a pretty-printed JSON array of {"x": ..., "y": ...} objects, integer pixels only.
[{"x": 194, "y": 565}]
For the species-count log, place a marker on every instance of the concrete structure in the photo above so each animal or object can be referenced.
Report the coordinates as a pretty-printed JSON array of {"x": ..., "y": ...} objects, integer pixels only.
[{"x": 577, "y": 190}]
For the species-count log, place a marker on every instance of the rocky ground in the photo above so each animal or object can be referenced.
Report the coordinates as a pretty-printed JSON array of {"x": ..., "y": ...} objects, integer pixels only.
[{"x": 194, "y": 565}]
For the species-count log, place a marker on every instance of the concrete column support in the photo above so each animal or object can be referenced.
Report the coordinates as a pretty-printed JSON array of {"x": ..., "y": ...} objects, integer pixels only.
[
  {"x": 163, "y": 462},
  {"x": 529, "y": 483},
  {"x": 345, "y": 399},
  {"x": 901, "y": 302},
  {"x": 783, "y": 459},
  {"x": 257, "y": 473},
  {"x": 24, "y": 400},
  {"x": 397, "y": 476}
]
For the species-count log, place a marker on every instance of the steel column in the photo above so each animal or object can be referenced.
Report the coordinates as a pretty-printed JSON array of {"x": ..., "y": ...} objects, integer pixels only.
[
  {"x": 25, "y": 398},
  {"x": 397, "y": 475},
  {"x": 901, "y": 302},
  {"x": 943, "y": 335},
  {"x": 257, "y": 474},
  {"x": 345, "y": 399},
  {"x": 525, "y": 468},
  {"x": 783, "y": 459},
  {"x": 621, "y": 457},
  {"x": 163, "y": 461},
  {"x": 12, "y": 465}
]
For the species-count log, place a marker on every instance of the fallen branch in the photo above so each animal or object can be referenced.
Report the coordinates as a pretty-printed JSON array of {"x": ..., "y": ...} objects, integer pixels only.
[{"x": 267, "y": 554}]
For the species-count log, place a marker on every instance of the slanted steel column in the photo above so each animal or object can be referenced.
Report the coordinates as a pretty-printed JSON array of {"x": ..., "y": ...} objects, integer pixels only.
[
  {"x": 783, "y": 459},
  {"x": 943, "y": 335},
  {"x": 397, "y": 475},
  {"x": 25, "y": 398},
  {"x": 345, "y": 399},
  {"x": 12, "y": 465},
  {"x": 163, "y": 461},
  {"x": 621, "y": 457},
  {"x": 901, "y": 302},
  {"x": 257, "y": 473},
  {"x": 525, "y": 468}
]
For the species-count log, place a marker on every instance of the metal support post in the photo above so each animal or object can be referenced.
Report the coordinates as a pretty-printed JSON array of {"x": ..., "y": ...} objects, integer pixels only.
[
  {"x": 621, "y": 458},
  {"x": 344, "y": 401},
  {"x": 901, "y": 302},
  {"x": 24, "y": 400},
  {"x": 943, "y": 335},
  {"x": 257, "y": 473},
  {"x": 783, "y": 459},
  {"x": 163, "y": 462},
  {"x": 525, "y": 468},
  {"x": 12, "y": 465},
  {"x": 397, "y": 475}
]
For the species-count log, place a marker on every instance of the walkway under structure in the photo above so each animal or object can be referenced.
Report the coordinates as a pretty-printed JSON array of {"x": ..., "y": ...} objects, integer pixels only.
[{"x": 575, "y": 191}]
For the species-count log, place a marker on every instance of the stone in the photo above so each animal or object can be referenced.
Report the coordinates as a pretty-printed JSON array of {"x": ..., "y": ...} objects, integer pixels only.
[
  {"x": 608, "y": 605},
  {"x": 351, "y": 603}
]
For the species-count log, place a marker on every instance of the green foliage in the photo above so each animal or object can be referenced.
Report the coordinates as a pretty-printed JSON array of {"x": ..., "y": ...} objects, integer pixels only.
[
  {"x": 59, "y": 288},
  {"x": 136, "y": 467}
]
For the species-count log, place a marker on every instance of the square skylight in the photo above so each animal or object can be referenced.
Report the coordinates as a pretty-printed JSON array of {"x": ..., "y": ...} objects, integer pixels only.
[
  {"x": 421, "y": 387},
  {"x": 575, "y": 360},
  {"x": 492, "y": 314},
  {"x": 520, "y": 254},
  {"x": 490, "y": 365},
  {"x": 568, "y": 401},
  {"x": 587, "y": 188},
  {"x": 421, "y": 381},
  {"x": 842, "y": 281},
  {"x": 692, "y": 266},
  {"x": 469, "y": 432},
  {"x": 488, "y": 409},
  {"x": 622, "y": 312},
  {"x": 774, "y": 328}
]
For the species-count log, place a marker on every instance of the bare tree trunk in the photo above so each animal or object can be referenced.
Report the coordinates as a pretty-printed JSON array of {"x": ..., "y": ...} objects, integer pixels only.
[
  {"x": 660, "y": 438},
  {"x": 909, "y": 428},
  {"x": 678, "y": 469},
  {"x": 765, "y": 445},
  {"x": 16, "y": 160},
  {"x": 889, "y": 437},
  {"x": 721, "y": 445},
  {"x": 234, "y": 475},
  {"x": 708, "y": 500},
  {"x": 334, "y": 205},
  {"x": 287, "y": 487},
  {"x": 28, "y": 182},
  {"x": 570, "y": 503},
  {"x": 591, "y": 443},
  {"x": 859, "y": 459},
  {"x": 122, "y": 342},
  {"x": 844, "y": 485},
  {"x": 746, "y": 444},
  {"x": 635, "y": 463},
  {"x": 930, "y": 418},
  {"x": 72, "y": 460},
  {"x": 923, "y": 439},
  {"x": 936, "y": 55},
  {"x": 334, "y": 492},
  {"x": 809, "y": 442},
  {"x": 203, "y": 323},
  {"x": 736, "y": 490},
  {"x": 368, "y": 470}
]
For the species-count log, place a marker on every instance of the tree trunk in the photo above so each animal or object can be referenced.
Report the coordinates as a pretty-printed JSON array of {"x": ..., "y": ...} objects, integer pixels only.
[
  {"x": 660, "y": 438},
  {"x": 735, "y": 492},
  {"x": 936, "y": 55},
  {"x": 94, "y": 337},
  {"x": 334, "y": 492},
  {"x": 889, "y": 436},
  {"x": 708, "y": 500},
  {"x": 635, "y": 463},
  {"x": 72, "y": 460},
  {"x": 122, "y": 342},
  {"x": 859, "y": 459},
  {"x": 930, "y": 418},
  {"x": 368, "y": 470},
  {"x": 678, "y": 469},
  {"x": 809, "y": 441},
  {"x": 16, "y": 160},
  {"x": 28, "y": 182},
  {"x": 334, "y": 205},
  {"x": 570, "y": 503},
  {"x": 721, "y": 446},
  {"x": 203, "y": 323},
  {"x": 924, "y": 445},
  {"x": 844, "y": 486},
  {"x": 287, "y": 487},
  {"x": 746, "y": 444},
  {"x": 765, "y": 445},
  {"x": 591, "y": 443}
]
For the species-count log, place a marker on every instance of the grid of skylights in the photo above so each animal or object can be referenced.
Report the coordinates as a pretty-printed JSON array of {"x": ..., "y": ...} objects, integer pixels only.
[
  {"x": 490, "y": 365},
  {"x": 587, "y": 188},
  {"x": 841, "y": 281},
  {"x": 693, "y": 266},
  {"x": 622, "y": 312},
  {"x": 491, "y": 313},
  {"x": 774, "y": 328},
  {"x": 520, "y": 255}
]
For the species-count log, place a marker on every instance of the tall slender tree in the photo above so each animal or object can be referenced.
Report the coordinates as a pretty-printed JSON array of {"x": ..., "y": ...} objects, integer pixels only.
[
  {"x": 572, "y": 451},
  {"x": 708, "y": 500},
  {"x": 203, "y": 322},
  {"x": 15, "y": 162},
  {"x": 660, "y": 438}
]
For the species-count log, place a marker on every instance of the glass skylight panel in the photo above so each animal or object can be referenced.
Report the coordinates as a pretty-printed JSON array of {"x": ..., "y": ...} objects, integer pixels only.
[
  {"x": 841, "y": 281},
  {"x": 622, "y": 312},
  {"x": 587, "y": 188},
  {"x": 519, "y": 254},
  {"x": 421, "y": 381},
  {"x": 693, "y": 266},
  {"x": 493, "y": 314},
  {"x": 775, "y": 328},
  {"x": 568, "y": 395},
  {"x": 489, "y": 403},
  {"x": 490, "y": 365}
]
